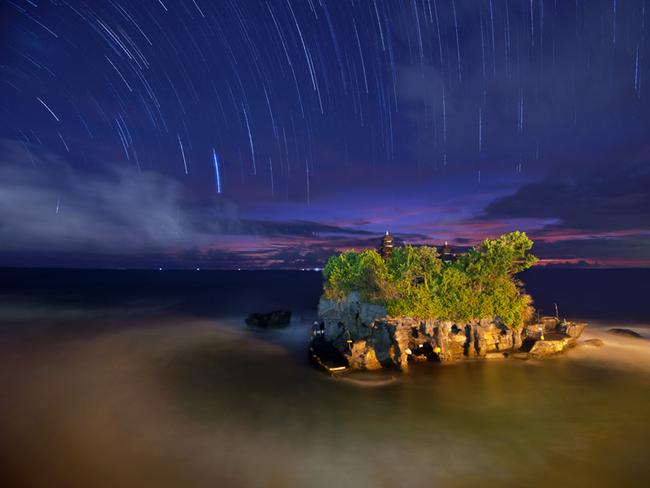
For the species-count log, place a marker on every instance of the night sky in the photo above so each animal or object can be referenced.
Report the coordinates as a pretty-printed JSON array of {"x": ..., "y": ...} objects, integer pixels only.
[{"x": 253, "y": 133}]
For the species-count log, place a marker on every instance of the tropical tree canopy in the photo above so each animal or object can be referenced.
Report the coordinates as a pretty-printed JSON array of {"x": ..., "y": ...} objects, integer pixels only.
[{"x": 415, "y": 282}]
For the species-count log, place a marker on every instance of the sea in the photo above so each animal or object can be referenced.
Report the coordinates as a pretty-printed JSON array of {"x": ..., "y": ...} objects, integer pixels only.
[{"x": 120, "y": 378}]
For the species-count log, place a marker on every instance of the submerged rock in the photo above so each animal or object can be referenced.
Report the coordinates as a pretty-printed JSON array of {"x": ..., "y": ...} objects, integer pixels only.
[
  {"x": 521, "y": 355},
  {"x": 495, "y": 355},
  {"x": 625, "y": 332},
  {"x": 370, "y": 339},
  {"x": 276, "y": 319},
  {"x": 595, "y": 342}
]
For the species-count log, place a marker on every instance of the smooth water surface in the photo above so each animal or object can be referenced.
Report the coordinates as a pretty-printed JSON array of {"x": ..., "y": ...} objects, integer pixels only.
[{"x": 120, "y": 378}]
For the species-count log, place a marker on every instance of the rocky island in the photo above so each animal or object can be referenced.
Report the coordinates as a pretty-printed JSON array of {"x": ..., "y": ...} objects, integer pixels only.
[{"x": 409, "y": 304}]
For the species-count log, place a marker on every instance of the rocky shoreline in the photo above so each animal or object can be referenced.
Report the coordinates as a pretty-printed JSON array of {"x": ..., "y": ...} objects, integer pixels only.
[{"x": 361, "y": 336}]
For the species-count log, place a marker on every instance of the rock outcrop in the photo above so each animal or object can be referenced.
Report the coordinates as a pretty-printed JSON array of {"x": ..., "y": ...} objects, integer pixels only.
[
  {"x": 625, "y": 332},
  {"x": 277, "y": 319},
  {"x": 549, "y": 346},
  {"x": 371, "y": 339}
]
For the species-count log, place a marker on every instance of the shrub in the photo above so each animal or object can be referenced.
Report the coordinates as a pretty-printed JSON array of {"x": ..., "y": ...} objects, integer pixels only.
[{"x": 415, "y": 282}]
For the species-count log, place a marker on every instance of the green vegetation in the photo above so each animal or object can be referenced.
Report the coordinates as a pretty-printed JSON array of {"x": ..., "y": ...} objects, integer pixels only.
[{"x": 415, "y": 282}]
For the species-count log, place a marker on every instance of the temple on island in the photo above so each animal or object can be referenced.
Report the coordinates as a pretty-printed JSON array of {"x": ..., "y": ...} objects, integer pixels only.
[
  {"x": 447, "y": 254},
  {"x": 386, "y": 248}
]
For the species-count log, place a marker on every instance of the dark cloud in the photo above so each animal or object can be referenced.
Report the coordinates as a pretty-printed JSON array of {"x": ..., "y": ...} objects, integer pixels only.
[
  {"x": 47, "y": 205},
  {"x": 571, "y": 264},
  {"x": 462, "y": 241},
  {"x": 610, "y": 198},
  {"x": 272, "y": 228}
]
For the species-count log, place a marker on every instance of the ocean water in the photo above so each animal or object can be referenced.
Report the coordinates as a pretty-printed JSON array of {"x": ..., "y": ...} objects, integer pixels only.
[{"x": 146, "y": 378}]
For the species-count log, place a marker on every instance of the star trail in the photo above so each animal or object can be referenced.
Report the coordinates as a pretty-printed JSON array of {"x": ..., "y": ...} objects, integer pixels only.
[{"x": 229, "y": 127}]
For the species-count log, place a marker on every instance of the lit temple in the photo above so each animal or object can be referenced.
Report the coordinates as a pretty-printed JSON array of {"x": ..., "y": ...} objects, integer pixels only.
[{"x": 386, "y": 248}]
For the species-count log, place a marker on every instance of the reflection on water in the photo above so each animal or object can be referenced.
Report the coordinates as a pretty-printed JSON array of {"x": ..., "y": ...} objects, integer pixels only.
[{"x": 153, "y": 395}]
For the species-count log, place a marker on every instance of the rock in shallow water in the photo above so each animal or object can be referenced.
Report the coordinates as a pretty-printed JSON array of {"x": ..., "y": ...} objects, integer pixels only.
[
  {"x": 592, "y": 343},
  {"x": 625, "y": 332},
  {"x": 551, "y": 346},
  {"x": 495, "y": 355},
  {"x": 278, "y": 319},
  {"x": 521, "y": 355}
]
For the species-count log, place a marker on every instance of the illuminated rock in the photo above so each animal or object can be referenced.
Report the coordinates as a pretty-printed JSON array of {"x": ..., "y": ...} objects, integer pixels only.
[
  {"x": 555, "y": 344},
  {"x": 369, "y": 339}
]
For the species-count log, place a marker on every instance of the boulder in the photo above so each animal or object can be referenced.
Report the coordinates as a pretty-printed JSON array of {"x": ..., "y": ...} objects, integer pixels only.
[
  {"x": 277, "y": 319},
  {"x": 550, "y": 324},
  {"x": 533, "y": 331},
  {"x": 625, "y": 332},
  {"x": 572, "y": 329},
  {"x": 554, "y": 344}
]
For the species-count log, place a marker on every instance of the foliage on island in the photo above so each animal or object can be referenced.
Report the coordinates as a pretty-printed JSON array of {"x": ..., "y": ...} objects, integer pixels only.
[{"x": 416, "y": 282}]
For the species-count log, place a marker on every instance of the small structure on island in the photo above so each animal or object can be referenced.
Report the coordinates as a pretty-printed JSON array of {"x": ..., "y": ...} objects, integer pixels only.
[
  {"x": 447, "y": 254},
  {"x": 386, "y": 248}
]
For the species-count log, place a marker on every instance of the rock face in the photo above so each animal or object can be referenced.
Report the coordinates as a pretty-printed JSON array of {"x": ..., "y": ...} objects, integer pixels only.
[
  {"x": 277, "y": 319},
  {"x": 370, "y": 339}
]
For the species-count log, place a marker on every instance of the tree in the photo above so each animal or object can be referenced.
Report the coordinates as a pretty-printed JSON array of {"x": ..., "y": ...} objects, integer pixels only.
[{"x": 415, "y": 282}]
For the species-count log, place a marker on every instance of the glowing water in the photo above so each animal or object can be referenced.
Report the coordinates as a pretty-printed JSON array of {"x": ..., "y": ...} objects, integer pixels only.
[{"x": 152, "y": 395}]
